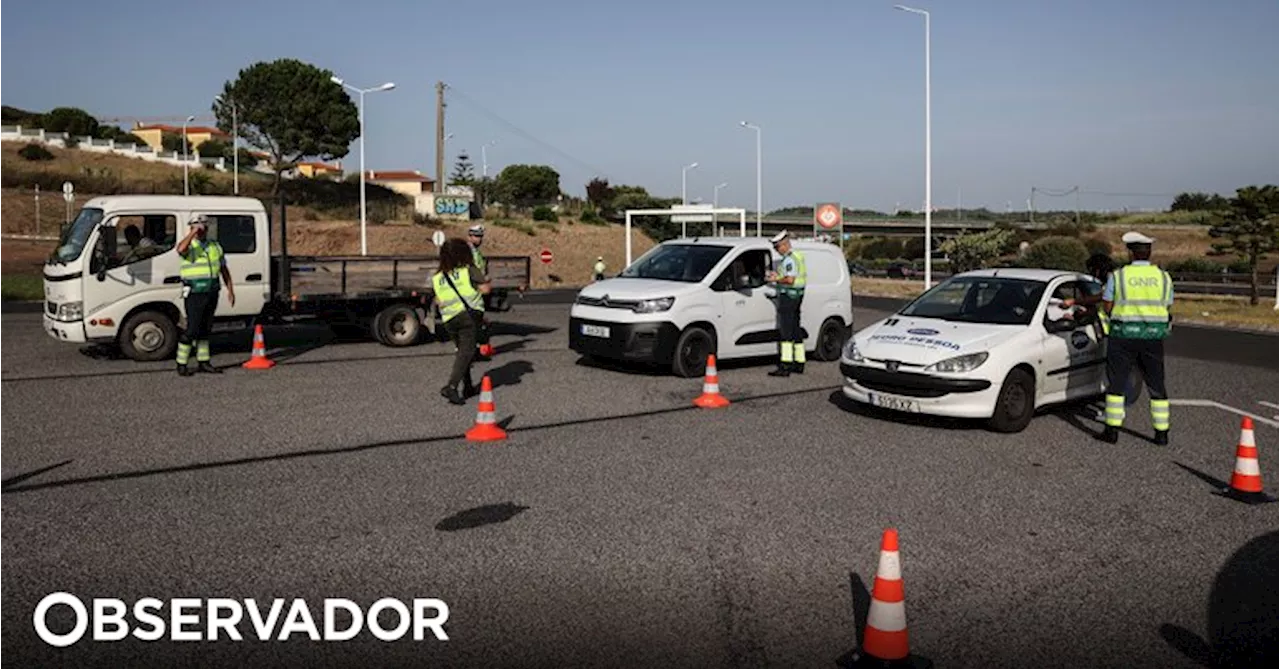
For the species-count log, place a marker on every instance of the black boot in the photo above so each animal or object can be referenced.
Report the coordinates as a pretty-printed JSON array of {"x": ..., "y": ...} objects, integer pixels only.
[
  {"x": 797, "y": 368},
  {"x": 783, "y": 369},
  {"x": 208, "y": 368},
  {"x": 184, "y": 370},
  {"x": 1110, "y": 434},
  {"x": 1162, "y": 438},
  {"x": 450, "y": 393},
  {"x": 469, "y": 388}
]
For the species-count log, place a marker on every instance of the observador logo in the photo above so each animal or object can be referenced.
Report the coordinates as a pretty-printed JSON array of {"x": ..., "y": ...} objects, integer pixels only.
[{"x": 215, "y": 619}]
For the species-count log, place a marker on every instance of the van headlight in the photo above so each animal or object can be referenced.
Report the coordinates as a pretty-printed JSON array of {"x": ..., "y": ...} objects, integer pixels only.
[
  {"x": 851, "y": 351},
  {"x": 70, "y": 311},
  {"x": 958, "y": 364},
  {"x": 653, "y": 306}
]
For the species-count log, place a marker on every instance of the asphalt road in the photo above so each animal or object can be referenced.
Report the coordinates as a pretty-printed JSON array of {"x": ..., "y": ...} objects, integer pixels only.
[{"x": 617, "y": 525}]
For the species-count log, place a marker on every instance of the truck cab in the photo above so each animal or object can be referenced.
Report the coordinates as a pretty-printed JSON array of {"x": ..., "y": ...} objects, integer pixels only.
[{"x": 114, "y": 274}]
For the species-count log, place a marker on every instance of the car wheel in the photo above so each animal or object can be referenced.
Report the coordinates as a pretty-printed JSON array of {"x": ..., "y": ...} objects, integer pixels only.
[
  {"x": 398, "y": 325},
  {"x": 692, "y": 349},
  {"x": 1016, "y": 403},
  {"x": 148, "y": 336},
  {"x": 831, "y": 338}
]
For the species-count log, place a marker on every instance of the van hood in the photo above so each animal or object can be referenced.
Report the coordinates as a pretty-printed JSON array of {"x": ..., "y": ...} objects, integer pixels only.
[
  {"x": 637, "y": 289},
  {"x": 927, "y": 340}
]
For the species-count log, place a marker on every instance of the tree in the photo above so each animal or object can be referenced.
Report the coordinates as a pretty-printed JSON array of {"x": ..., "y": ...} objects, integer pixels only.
[
  {"x": 71, "y": 120},
  {"x": 290, "y": 110},
  {"x": 1199, "y": 202},
  {"x": 1248, "y": 229},
  {"x": 1065, "y": 253},
  {"x": 976, "y": 251},
  {"x": 463, "y": 171},
  {"x": 527, "y": 185},
  {"x": 600, "y": 194}
]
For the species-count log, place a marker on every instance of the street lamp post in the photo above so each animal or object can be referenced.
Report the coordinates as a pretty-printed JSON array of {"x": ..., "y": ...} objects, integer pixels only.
[
  {"x": 364, "y": 239},
  {"x": 235, "y": 146},
  {"x": 444, "y": 178},
  {"x": 715, "y": 204},
  {"x": 484, "y": 158},
  {"x": 759, "y": 201},
  {"x": 186, "y": 183},
  {"x": 684, "y": 194},
  {"x": 928, "y": 155}
]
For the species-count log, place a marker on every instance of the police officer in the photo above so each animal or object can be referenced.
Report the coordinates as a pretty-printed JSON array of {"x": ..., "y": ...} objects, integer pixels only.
[
  {"x": 459, "y": 289},
  {"x": 475, "y": 237},
  {"x": 1137, "y": 300},
  {"x": 790, "y": 280},
  {"x": 202, "y": 262},
  {"x": 599, "y": 268}
]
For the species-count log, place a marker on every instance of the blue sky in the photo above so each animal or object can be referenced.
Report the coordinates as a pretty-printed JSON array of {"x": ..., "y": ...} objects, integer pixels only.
[{"x": 1140, "y": 97}]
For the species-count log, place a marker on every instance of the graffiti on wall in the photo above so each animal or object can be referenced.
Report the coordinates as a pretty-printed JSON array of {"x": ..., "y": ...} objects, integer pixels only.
[{"x": 452, "y": 206}]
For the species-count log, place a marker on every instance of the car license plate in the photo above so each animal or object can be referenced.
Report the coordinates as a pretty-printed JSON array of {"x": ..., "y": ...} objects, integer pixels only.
[
  {"x": 895, "y": 403},
  {"x": 595, "y": 331}
]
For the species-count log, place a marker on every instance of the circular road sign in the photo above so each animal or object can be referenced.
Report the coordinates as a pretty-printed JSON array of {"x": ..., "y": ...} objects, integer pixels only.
[
  {"x": 438, "y": 238},
  {"x": 828, "y": 216},
  {"x": 545, "y": 256}
]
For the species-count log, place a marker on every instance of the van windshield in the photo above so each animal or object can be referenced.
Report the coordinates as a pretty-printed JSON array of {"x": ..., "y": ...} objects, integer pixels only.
[
  {"x": 73, "y": 239},
  {"x": 689, "y": 263}
]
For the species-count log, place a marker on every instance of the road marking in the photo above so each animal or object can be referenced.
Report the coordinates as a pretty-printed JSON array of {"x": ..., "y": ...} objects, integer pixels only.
[
  {"x": 1225, "y": 407},
  {"x": 1272, "y": 405}
]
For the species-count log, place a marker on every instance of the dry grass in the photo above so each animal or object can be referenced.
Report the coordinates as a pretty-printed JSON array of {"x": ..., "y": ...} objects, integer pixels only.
[{"x": 1173, "y": 242}]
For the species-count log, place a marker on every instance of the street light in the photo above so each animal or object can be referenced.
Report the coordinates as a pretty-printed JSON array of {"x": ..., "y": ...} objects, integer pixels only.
[
  {"x": 928, "y": 155},
  {"x": 235, "y": 146},
  {"x": 684, "y": 182},
  {"x": 484, "y": 158},
  {"x": 715, "y": 204},
  {"x": 186, "y": 184},
  {"x": 364, "y": 239},
  {"x": 759, "y": 202}
]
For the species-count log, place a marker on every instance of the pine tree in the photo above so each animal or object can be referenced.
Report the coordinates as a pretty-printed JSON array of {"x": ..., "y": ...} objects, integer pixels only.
[
  {"x": 463, "y": 171},
  {"x": 1248, "y": 228}
]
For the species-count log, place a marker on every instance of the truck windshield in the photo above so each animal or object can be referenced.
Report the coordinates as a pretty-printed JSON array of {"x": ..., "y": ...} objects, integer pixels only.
[
  {"x": 689, "y": 263},
  {"x": 71, "y": 245},
  {"x": 980, "y": 299}
]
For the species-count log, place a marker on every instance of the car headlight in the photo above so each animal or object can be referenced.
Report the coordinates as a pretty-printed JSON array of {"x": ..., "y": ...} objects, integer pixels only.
[
  {"x": 958, "y": 364},
  {"x": 851, "y": 351},
  {"x": 652, "y": 306},
  {"x": 70, "y": 311}
]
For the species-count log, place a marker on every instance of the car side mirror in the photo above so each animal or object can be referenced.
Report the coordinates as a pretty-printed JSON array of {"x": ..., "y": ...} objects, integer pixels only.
[{"x": 722, "y": 283}]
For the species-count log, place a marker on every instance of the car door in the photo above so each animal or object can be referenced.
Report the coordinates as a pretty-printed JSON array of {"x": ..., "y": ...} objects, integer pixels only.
[
  {"x": 748, "y": 322},
  {"x": 136, "y": 250},
  {"x": 1074, "y": 358},
  {"x": 239, "y": 233}
]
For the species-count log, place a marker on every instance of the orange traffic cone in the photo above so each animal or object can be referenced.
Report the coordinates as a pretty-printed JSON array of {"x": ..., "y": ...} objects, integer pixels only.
[
  {"x": 1246, "y": 479},
  {"x": 259, "y": 359},
  {"x": 486, "y": 350},
  {"x": 884, "y": 642},
  {"x": 711, "y": 397},
  {"x": 486, "y": 427}
]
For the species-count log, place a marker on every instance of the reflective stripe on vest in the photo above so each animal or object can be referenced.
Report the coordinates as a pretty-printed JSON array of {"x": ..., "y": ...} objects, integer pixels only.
[
  {"x": 202, "y": 263},
  {"x": 451, "y": 303},
  {"x": 1143, "y": 294},
  {"x": 801, "y": 277},
  {"x": 478, "y": 260}
]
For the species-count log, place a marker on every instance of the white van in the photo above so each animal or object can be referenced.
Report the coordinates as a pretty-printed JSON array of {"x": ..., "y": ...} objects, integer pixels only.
[{"x": 688, "y": 298}]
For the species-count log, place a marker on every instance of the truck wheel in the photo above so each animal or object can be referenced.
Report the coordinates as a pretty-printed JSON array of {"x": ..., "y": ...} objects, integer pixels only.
[
  {"x": 397, "y": 325},
  {"x": 692, "y": 349},
  {"x": 831, "y": 338},
  {"x": 148, "y": 336},
  {"x": 1016, "y": 403}
]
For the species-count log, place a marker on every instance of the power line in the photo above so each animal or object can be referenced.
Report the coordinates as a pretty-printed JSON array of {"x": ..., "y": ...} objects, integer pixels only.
[{"x": 525, "y": 134}]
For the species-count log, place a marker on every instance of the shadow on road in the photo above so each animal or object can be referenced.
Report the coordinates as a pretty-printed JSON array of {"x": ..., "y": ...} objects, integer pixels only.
[
  {"x": 1076, "y": 413},
  {"x": 915, "y": 419},
  {"x": 19, "y": 478},
  {"x": 480, "y": 516},
  {"x": 509, "y": 374},
  {"x": 1242, "y": 614}
]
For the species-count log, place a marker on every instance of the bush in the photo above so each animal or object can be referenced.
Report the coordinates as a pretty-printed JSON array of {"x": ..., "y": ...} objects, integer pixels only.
[
  {"x": 544, "y": 213},
  {"x": 420, "y": 218},
  {"x": 882, "y": 248},
  {"x": 975, "y": 251},
  {"x": 1095, "y": 246},
  {"x": 913, "y": 248},
  {"x": 35, "y": 151},
  {"x": 214, "y": 149},
  {"x": 1065, "y": 253},
  {"x": 1194, "y": 266},
  {"x": 516, "y": 225}
]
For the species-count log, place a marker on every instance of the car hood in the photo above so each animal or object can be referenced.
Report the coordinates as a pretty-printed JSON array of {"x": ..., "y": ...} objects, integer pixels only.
[
  {"x": 927, "y": 340},
  {"x": 636, "y": 289}
]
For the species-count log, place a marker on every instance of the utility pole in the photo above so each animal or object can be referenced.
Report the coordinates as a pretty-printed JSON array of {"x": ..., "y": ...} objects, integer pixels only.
[{"x": 439, "y": 137}]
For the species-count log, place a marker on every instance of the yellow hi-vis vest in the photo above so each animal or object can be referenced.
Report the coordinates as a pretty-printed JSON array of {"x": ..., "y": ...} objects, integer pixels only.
[
  {"x": 793, "y": 260},
  {"x": 478, "y": 260},
  {"x": 201, "y": 266},
  {"x": 451, "y": 302},
  {"x": 1141, "y": 300}
]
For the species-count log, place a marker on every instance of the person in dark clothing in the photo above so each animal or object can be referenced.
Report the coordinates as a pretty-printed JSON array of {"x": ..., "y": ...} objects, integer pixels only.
[{"x": 459, "y": 288}]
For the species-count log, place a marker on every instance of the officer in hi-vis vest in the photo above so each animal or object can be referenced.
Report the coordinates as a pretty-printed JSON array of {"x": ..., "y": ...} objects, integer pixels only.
[
  {"x": 1137, "y": 299},
  {"x": 790, "y": 280},
  {"x": 459, "y": 289},
  {"x": 202, "y": 262},
  {"x": 475, "y": 237}
]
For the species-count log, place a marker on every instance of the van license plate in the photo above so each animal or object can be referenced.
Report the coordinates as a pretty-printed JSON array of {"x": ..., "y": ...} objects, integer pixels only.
[
  {"x": 895, "y": 403},
  {"x": 595, "y": 331}
]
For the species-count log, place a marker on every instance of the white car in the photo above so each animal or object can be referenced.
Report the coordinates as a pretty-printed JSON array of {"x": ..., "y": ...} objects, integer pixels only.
[
  {"x": 687, "y": 298},
  {"x": 991, "y": 344}
]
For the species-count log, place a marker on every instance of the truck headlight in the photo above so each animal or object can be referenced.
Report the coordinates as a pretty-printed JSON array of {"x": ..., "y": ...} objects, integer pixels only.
[
  {"x": 70, "y": 311},
  {"x": 851, "y": 351},
  {"x": 653, "y": 306},
  {"x": 958, "y": 364}
]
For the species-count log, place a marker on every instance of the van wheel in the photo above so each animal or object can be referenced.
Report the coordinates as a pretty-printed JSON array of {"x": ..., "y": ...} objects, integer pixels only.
[
  {"x": 1016, "y": 403},
  {"x": 831, "y": 338},
  {"x": 397, "y": 325},
  {"x": 148, "y": 336},
  {"x": 692, "y": 349}
]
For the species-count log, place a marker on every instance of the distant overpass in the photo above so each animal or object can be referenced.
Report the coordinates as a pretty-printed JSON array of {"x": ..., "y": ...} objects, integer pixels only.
[{"x": 942, "y": 227}]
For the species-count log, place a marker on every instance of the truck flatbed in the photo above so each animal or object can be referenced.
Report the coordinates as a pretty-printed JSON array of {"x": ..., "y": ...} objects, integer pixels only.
[{"x": 328, "y": 278}]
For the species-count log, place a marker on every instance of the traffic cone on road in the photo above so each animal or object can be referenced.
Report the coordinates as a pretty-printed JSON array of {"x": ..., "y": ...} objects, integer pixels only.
[
  {"x": 259, "y": 359},
  {"x": 711, "y": 397},
  {"x": 486, "y": 427},
  {"x": 884, "y": 642},
  {"x": 1246, "y": 478}
]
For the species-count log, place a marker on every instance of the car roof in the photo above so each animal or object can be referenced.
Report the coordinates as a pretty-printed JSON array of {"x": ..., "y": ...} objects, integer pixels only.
[
  {"x": 177, "y": 202},
  {"x": 1024, "y": 273},
  {"x": 749, "y": 242}
]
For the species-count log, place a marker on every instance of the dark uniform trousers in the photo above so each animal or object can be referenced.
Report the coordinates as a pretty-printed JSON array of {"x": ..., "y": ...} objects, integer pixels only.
[
  {"x": 1145, "y": 354},
  {"x": 200, "y": 308},
  {"x": 788, "y": 325}
]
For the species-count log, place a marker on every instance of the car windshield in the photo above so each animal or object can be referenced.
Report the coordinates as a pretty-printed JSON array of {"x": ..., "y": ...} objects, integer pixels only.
[
  {"x": 980, "y": 299},
  {"x": 71, "y": 245},
  {"x": 689, "y": 263}
]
